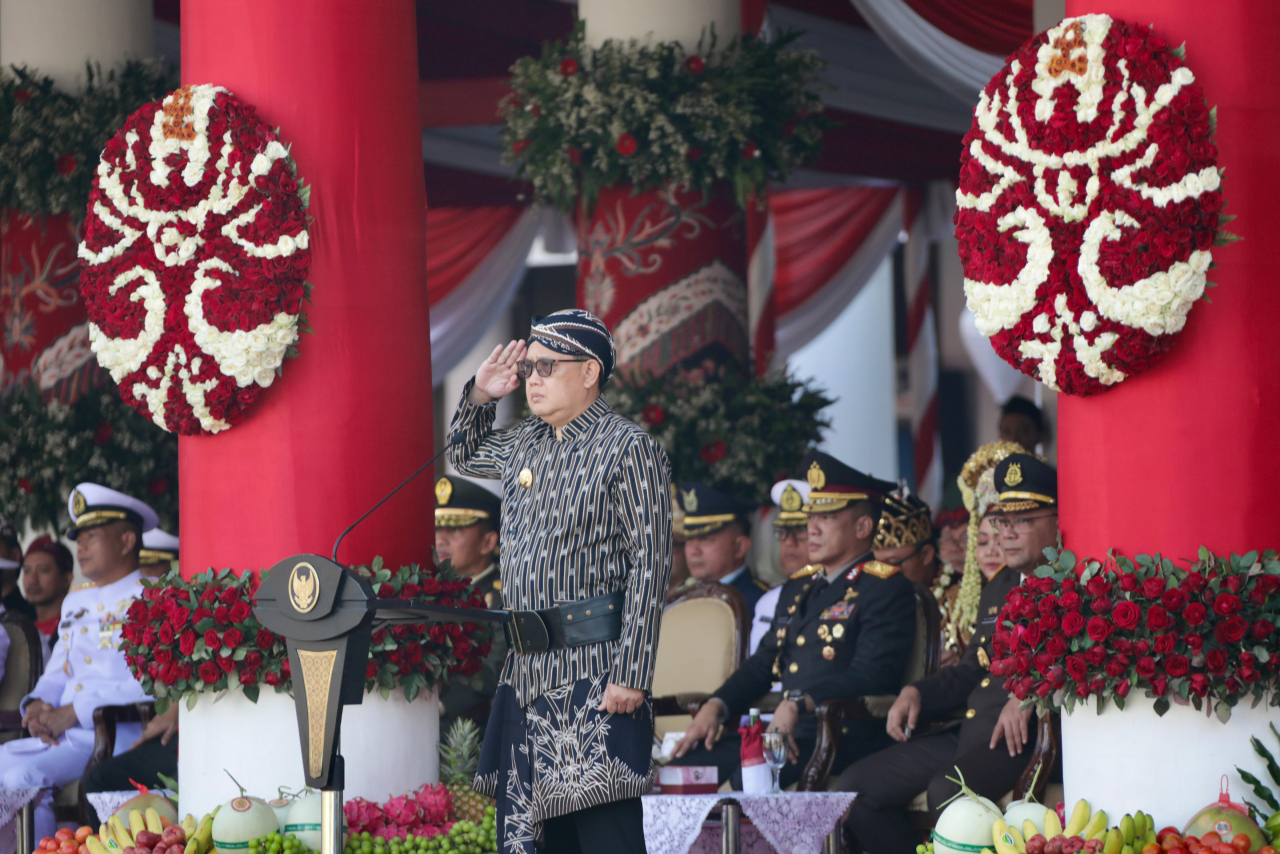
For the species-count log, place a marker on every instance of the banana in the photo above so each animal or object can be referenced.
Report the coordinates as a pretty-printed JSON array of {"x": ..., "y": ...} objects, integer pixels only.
[
  {"x": 153, "y": 821},
  {"x": 1115, "y": 841},
  {"x": 1005, "y": 838},
  {"x": 137, "y": 823},
  {"x": 1079, "y": 818},
  {"x": 1126, "y": 829},
  {"x": 1052, "y": 824},
  {"x": 204, "y": 834},
  {"x": 1019, "y": 844},
  {"x": 192, "y": 848},
  {"x": 1127, "y": 849},
  {"x": 95, "y": 845},
  {"x": 1141, "y": 824},
  {"x": 1029, "y": 829},
  {"x": 121, "y": 833},
  {"x": 189, "y": 825},
  {"x": 113, "y": 847},
  {"x": 1097, "y": 825},
  {"x": 103, "y": 833}
]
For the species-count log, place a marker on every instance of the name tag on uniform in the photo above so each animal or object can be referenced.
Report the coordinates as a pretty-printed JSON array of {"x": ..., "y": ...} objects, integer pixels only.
[{"x": 838, "y": 611}]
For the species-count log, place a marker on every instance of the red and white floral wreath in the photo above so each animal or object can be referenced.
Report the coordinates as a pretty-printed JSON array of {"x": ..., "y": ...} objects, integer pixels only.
[
  {"x": 195, "y": 253},
  {"x": 1088, "y": 203}
]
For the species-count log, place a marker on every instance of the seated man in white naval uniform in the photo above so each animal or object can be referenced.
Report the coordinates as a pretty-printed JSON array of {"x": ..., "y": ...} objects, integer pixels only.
[{"x": 87, "y": 669}]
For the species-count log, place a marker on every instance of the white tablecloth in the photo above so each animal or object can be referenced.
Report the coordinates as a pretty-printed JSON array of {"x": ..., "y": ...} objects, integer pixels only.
[
  {"x": 12, "y": 800},
  {"x": 106, "y": 803},
  {"x": 791, "y": 822}
]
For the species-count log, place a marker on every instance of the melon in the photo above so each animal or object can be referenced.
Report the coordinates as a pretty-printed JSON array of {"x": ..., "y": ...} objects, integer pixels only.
[
  {"x": 147, "y": 798},
  {"x": 304, "y": 822},
  {"x": 1025, "y": 810},
  {"x": 240, "y": 820},
  {"x": 965, "y": 826},
  {"x": 281, "y": 806},
  {"x": 1226, "y": 822}
]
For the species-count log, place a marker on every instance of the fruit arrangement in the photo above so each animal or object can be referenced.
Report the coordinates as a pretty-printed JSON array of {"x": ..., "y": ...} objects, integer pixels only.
[
  {"x": 463, "y": 837},
  {"x": 147, "y": 832},
  {"x": 276, "y": 842},
  {"x": 459, "y": 756}
]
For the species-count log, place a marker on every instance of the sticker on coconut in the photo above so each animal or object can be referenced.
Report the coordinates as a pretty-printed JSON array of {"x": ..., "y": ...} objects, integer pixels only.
[
  {"x": 1088, "y": 203},
  {"x": 194, "y": 259}
]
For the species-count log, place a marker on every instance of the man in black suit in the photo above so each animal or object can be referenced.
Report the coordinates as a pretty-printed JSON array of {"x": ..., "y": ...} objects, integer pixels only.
[
  {"x": 844, "y": 627},
  {"x": 717, "y": 530},
  {"x": 987, "y": 737}
]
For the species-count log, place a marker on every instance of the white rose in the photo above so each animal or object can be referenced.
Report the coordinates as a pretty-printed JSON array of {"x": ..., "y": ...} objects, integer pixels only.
[
  {"x": 265, "y": 377},
  {"x": 275, "y": 150},
  {"x": 1193, "y": 184},
  {"x": 1088, "y": 321},
  {"x": 261, "y": 165},
  {"x": 1040, "y": 324},
  {"x": 258, "y": 341},
  {"x": 1183, "y": 76},
  {"x": 302, "y": 240},
  {"x": 1210, "y": 178},
  {"x": 286, "y": 244}
]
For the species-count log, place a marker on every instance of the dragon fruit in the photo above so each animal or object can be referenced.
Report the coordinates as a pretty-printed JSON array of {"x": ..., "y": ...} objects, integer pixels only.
[
  {"x": 436, "y": 803},
  {"x": 363, "y": 815},
  {"x": 390, "y": 832},
  {"x": 404, "y": 812}
]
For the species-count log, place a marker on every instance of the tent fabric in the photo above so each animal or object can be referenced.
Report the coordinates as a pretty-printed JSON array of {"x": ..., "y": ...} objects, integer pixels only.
[{"x": 991, "y": 26}]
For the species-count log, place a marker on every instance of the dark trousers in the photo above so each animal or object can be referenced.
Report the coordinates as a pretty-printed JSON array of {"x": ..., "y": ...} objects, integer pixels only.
[
  {"x": 887, "y": 782},
  {"x": 858, "y": 739},
  {"x": 614, "y": 827},
  {"x": 142, "y": 763}
]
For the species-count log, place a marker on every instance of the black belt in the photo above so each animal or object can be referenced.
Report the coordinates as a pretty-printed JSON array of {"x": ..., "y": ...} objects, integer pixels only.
[{"x": 568, "y": 624}]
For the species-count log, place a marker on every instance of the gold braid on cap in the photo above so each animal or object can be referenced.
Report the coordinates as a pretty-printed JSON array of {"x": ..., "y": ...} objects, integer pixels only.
[
  {"x": 902, "y": 523},
  {"x": 963, "y": 613}
]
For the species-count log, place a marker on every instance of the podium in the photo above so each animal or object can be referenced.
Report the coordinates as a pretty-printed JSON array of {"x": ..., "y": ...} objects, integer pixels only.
[{"x": 327, "y": 615}]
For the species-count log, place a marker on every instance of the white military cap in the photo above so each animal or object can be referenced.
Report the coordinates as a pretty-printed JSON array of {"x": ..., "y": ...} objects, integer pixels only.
[
  {"x": 158, "y": 547},
  {"x": 91, "y": 505},
  {"x": 790, "y": 496}
]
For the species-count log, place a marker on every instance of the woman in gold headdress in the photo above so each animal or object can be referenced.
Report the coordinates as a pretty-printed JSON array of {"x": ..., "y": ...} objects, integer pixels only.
[{"x": 982, "y": 556}]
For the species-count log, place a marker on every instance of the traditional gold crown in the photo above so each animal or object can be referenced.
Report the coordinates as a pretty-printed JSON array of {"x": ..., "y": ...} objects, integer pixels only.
[{"x": 902, "y": 523}]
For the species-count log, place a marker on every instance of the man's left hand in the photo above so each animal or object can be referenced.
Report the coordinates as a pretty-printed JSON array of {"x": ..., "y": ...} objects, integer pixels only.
[
  {"x": 620, "y": 700},
  {"x": 1012, "y": 726},
  {"x": 784, "y": 721},
  {"x": 54, "y": 722}
]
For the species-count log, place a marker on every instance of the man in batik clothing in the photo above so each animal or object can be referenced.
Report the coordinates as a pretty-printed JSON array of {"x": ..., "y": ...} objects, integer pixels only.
[{"x": 586, "y": 534}]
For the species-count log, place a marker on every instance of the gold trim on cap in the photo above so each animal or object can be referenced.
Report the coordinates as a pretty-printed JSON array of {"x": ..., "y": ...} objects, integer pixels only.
[
  {"x": 697, "y": 526},
  {"x": 1031, "y": 496},
  {"x": 149, "y": 556},
  {"x": 791, "y": 520},
  {"x": 459, "y": 517},
  {"x": 99, "y": 517}
]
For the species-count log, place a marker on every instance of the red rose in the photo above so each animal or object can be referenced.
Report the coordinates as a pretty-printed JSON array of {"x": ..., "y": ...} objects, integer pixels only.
[
  {"x": 694, "y": 64},
  {"x": 1194, "y": 583},
  {"x": 1128, "y": 582},
  {"x": 232, "y": 638},
  {"x": 1194, "y": 614},
  {"x": 1231, "y": 630},
  {"x": 210, "y": 672},
  {"x": 1215, "y": 660},
  {"x": 248, "y": 677},
  {"x": 163, "y": 655},
  {"x": 1193, "y": 641},
  {"x": 1261, "y": 630},
  {"x": 626, "y": 145},
  {"x": 1095, "y": 655},
  {"x": 1165, "y": 643},
  {"x": 1173, "y": 600},
  {"x": 1126, "y": 615},
  {"x": 569, "y": 66},
  {"x": 653, "y": 414},
  {"x": 103, "y": 434},
  {"x": 713, "y": 452},
  {"x": 187, "y": 642},
  {"x": 1077, "y": 667},
  {"x": 1098, "y": 586},
  {"x": 1226, "y": 604},
  {"x": 272, "y": 679},
  {"x": 1122, "y": 688},
  {"x": 1072, "y": 624},
  {"x": 25, "y": 485},
  {"x": 166, "y": 633},
  {"x": 226, "y": 663},
  {"x": 1141, "y": 648},
  {"x": 265, "y": 639},
  {"x": 1158, "y": 619},
  {"x": 169, "y": 673},
  {"x": 240, "y": 612},
  {"x": 1159, "y": 685},
  {"x": 519, "y": 146},
  {"x": 1146, "y": 666},
  {"x": 149, "y": 636},
  {"x": 1069, "y": 601},
  {"x": 209, "y": 596},
  {"x": 137, "y": 611},
  {"x": 222, "y": 615},
  {"x": 1177, "y": 665},
  {"x": 371, "y": 672},
  {"x": 230, "y": 596},
  {"x": 212, "y": 640},
  {"x": 178, "y": 617},
  {"x": 1153, "y": 588},
  {"x": 1199, "y": 684},
  {"x": 750, "y": 151},
  {"x": 1114, "y": 667},
  {"x": 386, "y": 591},
  {"x": 1098, "y": 629}
]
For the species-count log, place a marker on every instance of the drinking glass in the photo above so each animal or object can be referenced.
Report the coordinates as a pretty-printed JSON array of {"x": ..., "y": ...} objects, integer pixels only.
[{"x": 775, "y": 756}]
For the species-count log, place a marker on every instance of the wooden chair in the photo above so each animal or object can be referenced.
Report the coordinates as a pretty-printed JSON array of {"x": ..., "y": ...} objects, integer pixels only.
[
  {"x": 926, "y": 653},
  {"x": 22, "y": 668},
  {"x": 703, "y": 641}
]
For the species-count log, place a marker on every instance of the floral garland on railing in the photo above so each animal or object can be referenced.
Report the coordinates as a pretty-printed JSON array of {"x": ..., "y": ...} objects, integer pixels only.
[
  {"x": 196, "y": 204},
  {"x": 584, "y": 117},
  {"x": 719, "y": 427},
  {"x": 46, "y": 448},
  {"x": 186, "y": 637},
  {"x": 1206, "y": 633},
  {"x": 1089, "y": 203}
]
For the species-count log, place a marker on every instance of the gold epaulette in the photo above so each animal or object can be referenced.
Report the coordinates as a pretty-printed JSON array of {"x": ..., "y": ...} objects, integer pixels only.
[
  {"x": 880, "y": 570},
  {"x": 811, "y": 569},
  {"x": 81, "y": 586}
]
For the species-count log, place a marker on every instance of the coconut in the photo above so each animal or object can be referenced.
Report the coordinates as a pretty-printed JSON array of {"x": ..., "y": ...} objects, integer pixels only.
[
  {"x": 240, "y": 820},
  {"x": 144, "y": 799},
  {"x": 965, "y": 825},
  {"x": 1025, "y": 810},
  {"x": 304, "y": 822}
]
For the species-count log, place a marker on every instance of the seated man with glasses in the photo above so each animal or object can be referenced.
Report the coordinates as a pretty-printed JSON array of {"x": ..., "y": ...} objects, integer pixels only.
[
  {"x": 905, "y": 537},
  {"x": 717, "y": 531},
  {"x": 791, "y": 530},
  {"x": 887, "y": 782}
]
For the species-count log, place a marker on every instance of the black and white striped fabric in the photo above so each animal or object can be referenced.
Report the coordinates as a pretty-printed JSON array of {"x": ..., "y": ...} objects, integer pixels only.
[{"x": 594, "y": 519}]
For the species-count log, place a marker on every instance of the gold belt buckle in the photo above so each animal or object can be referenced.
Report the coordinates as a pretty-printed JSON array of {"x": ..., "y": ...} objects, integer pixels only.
[{"x": 517, "y": 641}]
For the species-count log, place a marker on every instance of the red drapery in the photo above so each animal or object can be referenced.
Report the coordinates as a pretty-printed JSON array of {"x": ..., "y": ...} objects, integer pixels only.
[
  {"x": 992, "y": 26},
  {"x": 459, "y": 239},
  {"x": 817, "y": 232}
]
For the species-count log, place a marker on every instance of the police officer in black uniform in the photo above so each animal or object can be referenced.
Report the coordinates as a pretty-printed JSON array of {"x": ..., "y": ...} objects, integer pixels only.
[
  {"x": 985, "y": 732},
  {"x": 844, "y": 627},
  {"x": 468, "y": 518},
  {"x": 717, "y": 531}
]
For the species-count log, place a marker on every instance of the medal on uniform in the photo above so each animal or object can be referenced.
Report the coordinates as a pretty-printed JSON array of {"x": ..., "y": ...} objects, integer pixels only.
[
  {"x": 526, "y": 478},
  {"x": 837, "y": 631},
  {"x": 983, "y": 658},
  {"x": 824, "y": 632},
  {"x": 828, "y": 652}
]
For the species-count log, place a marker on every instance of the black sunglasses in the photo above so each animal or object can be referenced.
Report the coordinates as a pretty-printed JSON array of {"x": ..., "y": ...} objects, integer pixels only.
[{"x": 544, "y": 367}]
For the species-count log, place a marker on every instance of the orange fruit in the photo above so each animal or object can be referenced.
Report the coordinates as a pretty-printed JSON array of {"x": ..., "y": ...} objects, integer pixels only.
[
  {"x": 1210, "y": 838},
  {"x": 1151, "y": 848},
  {"x": 83, "y": 833},
  {"x": 1171, "y": 841},
  {"x": 64, "y": 833},
  {"x": 1241, "y": 842}
]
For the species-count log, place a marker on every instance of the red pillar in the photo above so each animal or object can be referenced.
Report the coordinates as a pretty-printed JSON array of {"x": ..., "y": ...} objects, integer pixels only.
[
  {"x": 351, "y": 417},
  {"x": 1188, "y": 453}
]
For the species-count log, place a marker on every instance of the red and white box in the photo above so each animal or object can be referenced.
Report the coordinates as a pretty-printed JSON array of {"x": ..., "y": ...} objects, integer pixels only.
[{"x": 687, "y": 780}]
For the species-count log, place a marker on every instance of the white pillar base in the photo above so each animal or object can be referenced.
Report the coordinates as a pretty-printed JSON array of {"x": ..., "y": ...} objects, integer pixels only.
[
  {"x": 389, "y": 747},
  {"x": 1169, "y": 767}
]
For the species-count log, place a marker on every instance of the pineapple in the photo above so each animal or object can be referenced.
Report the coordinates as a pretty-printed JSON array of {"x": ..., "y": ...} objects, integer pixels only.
[{"x": 459, "y": 756}]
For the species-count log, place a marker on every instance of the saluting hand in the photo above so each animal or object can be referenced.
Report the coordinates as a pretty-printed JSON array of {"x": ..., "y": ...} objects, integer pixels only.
[{"x": 497, "y": 376}]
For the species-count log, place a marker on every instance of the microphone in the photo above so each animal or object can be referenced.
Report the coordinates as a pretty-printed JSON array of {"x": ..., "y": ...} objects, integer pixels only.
[{"x": 455, "y": 439}]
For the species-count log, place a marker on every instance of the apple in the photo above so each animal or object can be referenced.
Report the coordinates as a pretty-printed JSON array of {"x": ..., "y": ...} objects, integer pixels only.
[
  {"x": 174, "y": 835},
  {"x": 146, "y": 839}
]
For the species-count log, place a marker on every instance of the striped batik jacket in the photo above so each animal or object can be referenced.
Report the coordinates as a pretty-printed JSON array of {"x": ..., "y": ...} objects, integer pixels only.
[{"x": 594, "y": 518}]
